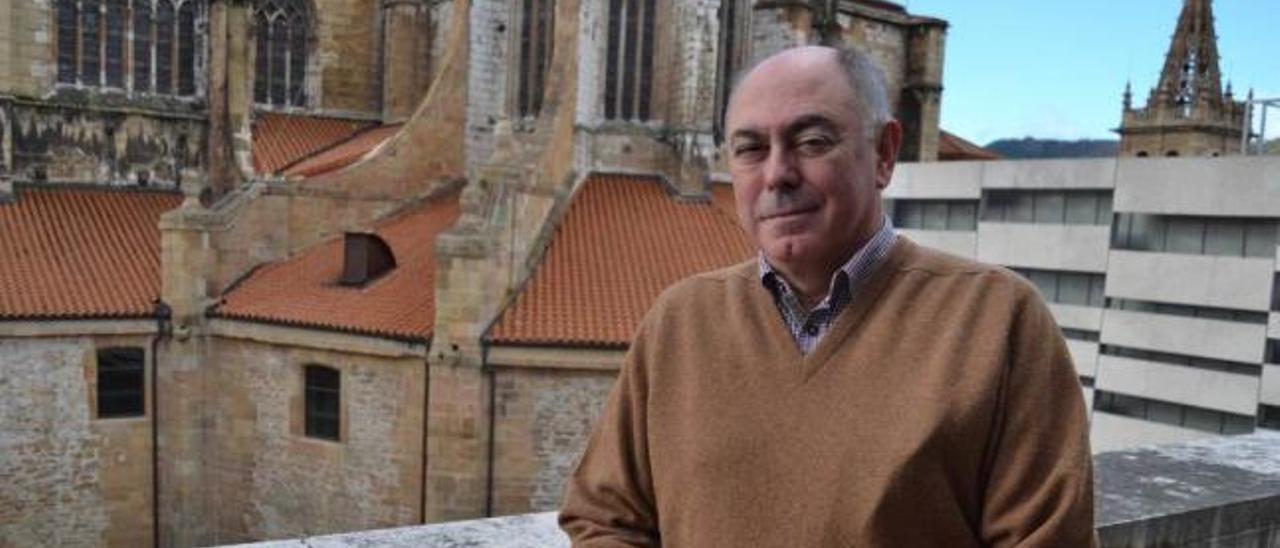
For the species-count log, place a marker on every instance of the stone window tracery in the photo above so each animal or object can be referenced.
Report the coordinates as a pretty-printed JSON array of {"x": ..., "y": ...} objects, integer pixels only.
[
  {"x": 280, "y": 66},
  {"x": 629, "y": 65},
  {"x": 130, "y": 45}
]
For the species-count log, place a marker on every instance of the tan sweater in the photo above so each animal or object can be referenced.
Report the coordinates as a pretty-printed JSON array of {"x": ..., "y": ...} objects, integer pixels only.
[{"x": 941, "y": 409}]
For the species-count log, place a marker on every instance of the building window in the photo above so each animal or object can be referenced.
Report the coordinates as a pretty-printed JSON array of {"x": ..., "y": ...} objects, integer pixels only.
[
  {"x": 1189, "y": 311},
  {"x": 112, "y": 43},
  {"x": 1075, "y": 288},
  {"x": 1071, "y": 207},
  {"x": 629, "y": 67},
  {"x": 1221, "y": 236},
  {"x": 323, "y": 405},
  {"x": 1208, "y": 364},
  {"x": 121, "y": 382},
  {"x": 537, "y": 26},
  {"x": 733, "y": 19},
  {"x": 1269, "y": 417},
  {"x": 1187, "y": 416},
  {"x": 936, "y": 214},
  {"x": 280, "y": 67}
]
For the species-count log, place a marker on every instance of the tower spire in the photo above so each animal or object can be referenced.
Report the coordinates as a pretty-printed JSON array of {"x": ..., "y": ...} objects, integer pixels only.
[{"x": 1191, "y": 78}]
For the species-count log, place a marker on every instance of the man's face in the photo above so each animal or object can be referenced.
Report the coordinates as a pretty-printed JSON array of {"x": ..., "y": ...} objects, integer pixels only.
[{"x": 806, "y": 176}]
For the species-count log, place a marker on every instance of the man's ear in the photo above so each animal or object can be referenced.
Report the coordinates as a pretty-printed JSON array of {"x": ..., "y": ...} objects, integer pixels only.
[{"x": 887, "y": 147}]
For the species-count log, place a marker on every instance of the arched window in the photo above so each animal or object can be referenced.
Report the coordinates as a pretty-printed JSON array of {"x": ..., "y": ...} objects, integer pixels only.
[
  {"x": 280, "y": 67},
  {"x": 629, "y": 67},
  {"x": 1142, "y": 154},
  {"x": 1171, "y": 154},
  {"x": 323, "y": 394}
]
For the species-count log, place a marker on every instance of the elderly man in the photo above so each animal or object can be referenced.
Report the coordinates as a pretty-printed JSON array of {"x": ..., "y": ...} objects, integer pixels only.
[{"x": 848, "y": 388}]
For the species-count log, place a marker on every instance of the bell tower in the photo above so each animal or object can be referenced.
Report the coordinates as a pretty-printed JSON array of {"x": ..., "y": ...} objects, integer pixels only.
[{"x": 1187, "y": 113}]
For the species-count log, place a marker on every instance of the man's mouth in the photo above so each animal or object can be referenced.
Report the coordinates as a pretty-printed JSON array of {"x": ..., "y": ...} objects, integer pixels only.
[{"x": 791, "y": 212}]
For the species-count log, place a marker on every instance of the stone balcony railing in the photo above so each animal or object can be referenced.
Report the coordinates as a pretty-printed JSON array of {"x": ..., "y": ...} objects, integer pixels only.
[{"x": 1221, "y": 492}]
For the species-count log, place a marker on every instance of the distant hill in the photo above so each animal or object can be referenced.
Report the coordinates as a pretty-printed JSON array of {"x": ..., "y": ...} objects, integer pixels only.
[{"x": 1029, "y": 147}]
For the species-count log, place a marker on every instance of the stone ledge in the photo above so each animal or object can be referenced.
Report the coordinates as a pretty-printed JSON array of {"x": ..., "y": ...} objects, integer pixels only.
[{"x": 1221, "y": 491}]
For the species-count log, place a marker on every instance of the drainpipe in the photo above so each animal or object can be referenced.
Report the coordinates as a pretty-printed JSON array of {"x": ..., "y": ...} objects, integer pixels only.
[
  {"x": 493, "y": 393},
  {"x": 164, "y": 328},
  {"x": 426, "y": 410}
]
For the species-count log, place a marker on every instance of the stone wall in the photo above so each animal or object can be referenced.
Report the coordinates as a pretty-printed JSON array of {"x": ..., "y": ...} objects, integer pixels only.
[
  {"x": 348, "y": 47},
  {"x": 71, "y": 479},
  {"x": 272, "y": 481},
  {"x": 81, "y": 137},
  {"x": 26, "y": 48},
  {"x": 542, "y": 419}
]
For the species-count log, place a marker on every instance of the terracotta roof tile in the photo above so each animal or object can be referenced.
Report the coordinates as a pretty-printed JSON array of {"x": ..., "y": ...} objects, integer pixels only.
[
  {"x": 280, "y": 140},
  {"x": 344, "y": 153},
  {"x": 952, "y": 147},
  {"x": 622, "y": 241},
  {"x": 304, "y": 290},
  {"x": 81, "y": 253}
]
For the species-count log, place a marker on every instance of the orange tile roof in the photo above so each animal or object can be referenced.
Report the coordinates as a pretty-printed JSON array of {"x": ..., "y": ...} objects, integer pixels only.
[
  {"x": 622, "y": 241},
  {"x": 304, "y": 290},
  {"x": 80, "y": 252},
  {"x": 343, "y": 153},
  {"x": 280, "y": 140},
  {"x": 952, "y": 147}
]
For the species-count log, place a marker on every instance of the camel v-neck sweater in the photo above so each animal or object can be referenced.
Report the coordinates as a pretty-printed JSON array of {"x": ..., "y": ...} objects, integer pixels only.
[{"x": 941, "y": 409}]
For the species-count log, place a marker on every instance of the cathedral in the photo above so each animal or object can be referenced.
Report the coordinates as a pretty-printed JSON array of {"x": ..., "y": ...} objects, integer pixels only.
[{"x": 275, "y": 268}]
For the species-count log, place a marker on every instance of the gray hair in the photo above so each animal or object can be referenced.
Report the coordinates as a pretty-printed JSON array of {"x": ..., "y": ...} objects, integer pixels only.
[{"x": 865, "y": 78}]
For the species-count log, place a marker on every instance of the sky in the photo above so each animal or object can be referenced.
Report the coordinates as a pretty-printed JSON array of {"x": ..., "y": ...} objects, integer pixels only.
[{"x": 1057, "y": 68}]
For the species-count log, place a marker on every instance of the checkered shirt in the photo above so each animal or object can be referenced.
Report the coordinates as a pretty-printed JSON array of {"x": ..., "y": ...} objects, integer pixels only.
[{"x": 809, "y": 326}]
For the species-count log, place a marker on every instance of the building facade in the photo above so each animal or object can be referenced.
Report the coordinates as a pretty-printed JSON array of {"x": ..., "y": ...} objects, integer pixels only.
[{"x": 253, "y": 246}]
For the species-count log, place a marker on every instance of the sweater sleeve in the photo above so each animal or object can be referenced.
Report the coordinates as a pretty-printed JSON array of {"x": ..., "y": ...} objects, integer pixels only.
[
  {"x": 609, "y": 498},
  {"x": 1039, "y": 489}
]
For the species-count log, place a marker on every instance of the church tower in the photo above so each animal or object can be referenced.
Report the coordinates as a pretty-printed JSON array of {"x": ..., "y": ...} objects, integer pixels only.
[{"x": 1187, "y": 113}]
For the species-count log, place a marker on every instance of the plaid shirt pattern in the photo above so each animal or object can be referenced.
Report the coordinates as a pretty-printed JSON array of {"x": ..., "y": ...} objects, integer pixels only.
[{"x": 809, "y": 326}]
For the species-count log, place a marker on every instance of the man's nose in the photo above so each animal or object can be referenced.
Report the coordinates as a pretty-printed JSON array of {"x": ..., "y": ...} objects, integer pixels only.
[{"x": 780, "y": 168}]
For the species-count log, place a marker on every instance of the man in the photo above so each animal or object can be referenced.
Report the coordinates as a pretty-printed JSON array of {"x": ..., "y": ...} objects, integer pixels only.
[{"x": 848, "y": 388}]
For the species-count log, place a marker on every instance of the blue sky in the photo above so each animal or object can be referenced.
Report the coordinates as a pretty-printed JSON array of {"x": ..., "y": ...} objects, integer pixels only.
[{"x": 1057, "y": 68}]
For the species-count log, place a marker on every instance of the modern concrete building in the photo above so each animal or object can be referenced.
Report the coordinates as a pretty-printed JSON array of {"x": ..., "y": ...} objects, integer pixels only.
[{"x": 1161, "y": 273}]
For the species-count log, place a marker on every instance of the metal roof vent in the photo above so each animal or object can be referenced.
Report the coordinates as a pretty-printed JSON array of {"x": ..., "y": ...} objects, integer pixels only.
[{"x": 365, "y": 257}]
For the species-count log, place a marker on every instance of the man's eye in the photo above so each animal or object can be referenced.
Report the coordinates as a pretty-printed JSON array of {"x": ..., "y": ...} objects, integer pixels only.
[
  {"x": 748, "y": 150},
  {"x": 814, "y": 145}
]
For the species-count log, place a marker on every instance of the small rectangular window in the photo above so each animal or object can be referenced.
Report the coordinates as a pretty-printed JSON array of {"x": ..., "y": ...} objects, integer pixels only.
[
  {"x": 1260, "y": 238},
  {"x": 1082, "y": 208},
  {"x": 323, "y": 402},
  {"x": 1050, "y": 207},
  {"x": 1186, "y": 235},
  {"x": 1021, "y": 208},
  {"x": 962, "y": 216},
  {"x": 935, "y": 215},
  {"x": 1224, "y": 237},
  {"x": 121, "y": 382}
]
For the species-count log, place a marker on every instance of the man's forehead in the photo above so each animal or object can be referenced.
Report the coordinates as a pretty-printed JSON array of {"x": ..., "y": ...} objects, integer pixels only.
[{"x": 785, "y": 82}]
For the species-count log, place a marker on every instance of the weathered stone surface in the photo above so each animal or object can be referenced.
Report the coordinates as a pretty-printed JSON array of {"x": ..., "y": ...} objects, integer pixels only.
[{"x": 523, "y": 531}]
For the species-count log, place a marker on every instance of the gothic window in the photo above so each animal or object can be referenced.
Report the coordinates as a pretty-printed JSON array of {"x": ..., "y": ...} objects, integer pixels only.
[
  {"x": 733, "y": 16},
  {"x": 164, "y": 46},
  {"x": 89, "y": 54},
  {"x": 134, "y": 45},
  {"x": 121, "y": 376},
  {"x": 187, "y": 49},
  {"x": 68, "y": 29},
  {"x": 629, "y": 67},
  {"x": 142, "y": 45},
  {"x": 323, "y": 402},
  {"x": 280, "y": 66},
  {"x": 114, "y": 48},
  {"x": 537, "y": 23}
]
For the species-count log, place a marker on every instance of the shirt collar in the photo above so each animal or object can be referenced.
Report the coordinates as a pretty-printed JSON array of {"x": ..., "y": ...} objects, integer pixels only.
[{"x": 856, "y": 269}]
